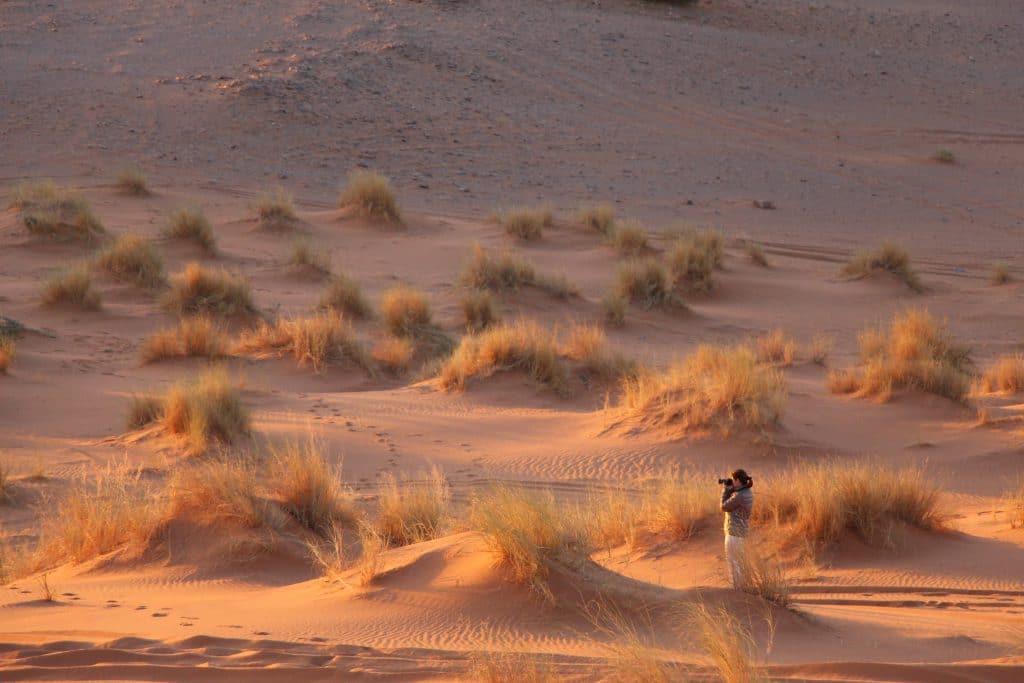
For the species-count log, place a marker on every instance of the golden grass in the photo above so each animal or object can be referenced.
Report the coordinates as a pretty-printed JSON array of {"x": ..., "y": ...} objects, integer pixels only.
[
  {"x": 714, "y": 386},
  {"x": 57, "y": 213},
  {"x": 522, "y": 345},
  {"x": 343, "y": 294},
  {"x": 764, "y": 577},
  {"x": 275, "y": 209},
  {"x": 600, "y": 217},
  {"x": 309, "y": 488},
  {"x": 817, "y": 504},
  {"x": 6, "y": 483},
  {"x": 406, "y": 311},
  {"x": 395, "y": 354},
  {"x": 558, "y": 286},
  {"x": 889, "y": 257},
  {"x": 693, "y": 258},
  {"x": 755, "y": 252},
  {"x": 223, "y": 491},
  {"x": 1015, "y": 506},
  {"x": 371, "y": 554},
  {"x": 412, "y": 511},
  {"x": 304, "y": 257},
  {"x": 612, "y": 518},
  {"x": 72, "y": 287},
  {"x": 369, "y": 194},
  {"x": 1006, "y": 376},
  {"x": 645, "y": 282},
  {"x": 632, "y": 641},
  {"x": 198, "y": 291},
  {"x": 588, "y": 345},
  {"x": 315, "y": 341},
  {"x": 132, "y": 181},
  {"x": 328, "y": 551},
  {"x": 192, "y": 224},
  {"x": 614, "y": 306},
  {"x": 205, "y": 411},
  {"x": 1000, "y": 274},
  {"x": 8, "y": 347},
  {"x": 194, "y": 337},
  {"x": 478, "y": 310},
  {"x": 143, "y": 410},
  {"x": 526, "y": 223},
  {"x": 776, "y": 347},
  {"x": 505, "y": 667},
  {"x": 679, "y": 504},
  {"x": 132, "y": 259},
  {"x": 502, "y": 271},
  {"x": 820, "y": 348},
  {"x": 727, "y": 642},
  {"x": 916, "y": 352},
  {"x": 629, "y": 238}
]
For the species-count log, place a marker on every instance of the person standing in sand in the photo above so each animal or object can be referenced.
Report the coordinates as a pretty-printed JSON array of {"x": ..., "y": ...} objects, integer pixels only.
[{"x": 737, "y": 503}]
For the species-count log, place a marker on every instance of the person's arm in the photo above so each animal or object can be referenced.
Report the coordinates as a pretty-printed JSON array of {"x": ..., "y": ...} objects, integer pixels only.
[{"x": 730, "y": 501}]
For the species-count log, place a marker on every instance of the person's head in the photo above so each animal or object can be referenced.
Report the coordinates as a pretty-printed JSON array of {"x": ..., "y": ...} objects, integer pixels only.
[{"x": 741, "y": 478}]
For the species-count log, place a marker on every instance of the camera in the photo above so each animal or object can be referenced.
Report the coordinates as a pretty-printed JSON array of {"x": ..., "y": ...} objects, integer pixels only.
[{"x": 725, "y": 482}]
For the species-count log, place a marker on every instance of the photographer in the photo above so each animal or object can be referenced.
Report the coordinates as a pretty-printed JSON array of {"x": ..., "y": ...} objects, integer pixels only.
[{"x": 737, "y": 503}]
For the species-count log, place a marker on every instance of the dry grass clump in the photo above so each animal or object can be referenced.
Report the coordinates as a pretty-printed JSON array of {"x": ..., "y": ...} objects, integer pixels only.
[
  {"x": 889, "y": 257},
  {"x": 132, "y": 259},
  {"x": 504, "y": 667},
  {"x": 588, "y": 344},
  {"x": 198, "y": 291},
  {"x": 132, "y": 181},
  {"x": 304, "y": 257},
  {"x": 629, "y": 238},
  {"x": 1000, "y": 273},
  {"x": 614, "y": 307},
  {"x": 502, "y": 271},
  {"x": 143, "y": 410},
  {"x": 73, "y": 287},
  {"x": 55, "y": 212},
  {"x": 527, "y": 532},
  {"x": 522, "y": 345},
  {"x": 207, "y": 410},
  {"x": 765, "y": 577},
  {"x": 820, "y": 348},
  {"x": 693, "y": 258},
  {"x": 395, "y": 354},
  {"x": 192, "y": 224},
  {"x": 369, "y": 194},
  {"x": 1015, "y": 506},
  {"x": 309, "y": 488},
  {"x": 316, "y": 341},
  {"x": 219, "y": 491},
  {"x": 6, "y": 483},
  {"x": 558, "y": 286},
  {"x": 526, "y": 224},
  {"x": 727, "y": 641},
  {"x": 679, "y": 504},
  {"x": 275, "y": 209},
  {"x": 478, "y": 310},
  {"x": 816, "y": 505},
  {"x": 600, "y": 218},
  {"x": 755, "y": 252},
  {"x": 194, "y": 337},
  {"x": 646, "y": 282},
  {"x": 406, "y": 311},
  {"x": 344, "y": 294},
  {"x": 411, "y": 511},
  {"x": 776, "y": 347},
  {"x": 720, "y": 386},
  {"x": 8, "y": 346},
  {"x": 1006, "y": 375},
  {"x": 916, "y": 352},
  {"x": 944, "y": 156}
]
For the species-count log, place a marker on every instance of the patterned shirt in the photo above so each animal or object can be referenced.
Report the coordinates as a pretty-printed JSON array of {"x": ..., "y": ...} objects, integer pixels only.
[{"x": 737, "y": 506}]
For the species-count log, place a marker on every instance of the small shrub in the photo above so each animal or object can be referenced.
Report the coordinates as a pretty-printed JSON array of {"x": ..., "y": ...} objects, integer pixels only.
[
  {"x": 478, "y": 310},
  {"x": 132, "y": 181},
  {"x": 727, "y": 642},
  {"x": 614, "y": 306},
  {"x": 600, "y": 218},
  {"x": 629, "y": 238},
  {"x": 7, "y": 348},
  {"x": 645, "y": 282},
  {"x": 1000, "y": 273},
  {"x": 521, "y": 345},
  {"x": 207, "y": 410},
  {"x": 343, "y": 294},
  {"x": 144, "y": 410},
  {"x": 395, "y": 354},
  {"x": 756, "y": 254},
  {"x": 194, "y": 337},
  {"x": 406, "y": 311},
  {"x": 310, "y": 490},
  {"x": 504, "y": 271},
  {"x": 369, "y": 194},
  {"x": 776, "y": 347},
  {"x": 526, "y": 224},
  {"x": 693, "y": 263},
  {"x": 305, "y": 258},
  {"x": 316, "y": 341},
  {"x": 890, "y": 258},
  {"x": 192, "y": 224},
  {"x": 944, "y": 156},
  {"x": 1006, "y": 375},
  {"x": 412, "y": 511},
  {"x": 56, "y": 213},
  {"x": 713, "y": 386},
  {"x": 132, "y": 259},
  {"x": 275, "y": 209},
  {"x": 72, "y": 287},
  {"x": 197, "y": 291}
]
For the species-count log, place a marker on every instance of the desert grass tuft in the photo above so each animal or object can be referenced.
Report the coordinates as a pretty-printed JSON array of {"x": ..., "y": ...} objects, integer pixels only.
[
  {"x": 525, "y": 223},
  {"x": 588, "y": 345},
  {"x": 693, "y": 258},
  {"x": 132, "y": 181},
  {"x": 224, "y": 491},
  {"x": 478, "y": 310},
  {"x": 198, "y": 291},
  {"x": 820, "y": 348},
  {"x": 406, "y": 311},
  {"x": 765, "y": 577},
  {"x": 600, "y": 218},
  {"x": 1015, "y": 506},
  {"x": 132, "y": 259},
  {"x": 678, "y": 504},
  {"x": 522, "y": 345},
  {"x": 727, "y": 642},
  {"x": 194, "y": 337},
  {"x": 72, "y": 287},
  {"x": 369, "y": 194},
  {"x": 57, "y": 213},
  {"x": 206, "y": 411},
  {"x": 1000, "y": 274},
  {"x": 502, "y": 271},
  {"x": 6, "y": 483},
  {"x": 305, "y": 258},
  {"x": 8, "y": 347},
  {"x": 714, "y": 386},
  {"x": 395, "y": 354},
  {"x": 275, "y": 209},
  {"x": 755, "y": 252},
  {"x": 776, "y": 347},
  {"x": 629, "y": 238},
  {"x": 192, "y": 224},
  {"x": 944, "y": 156},
  {"x": 1006, "y": 376},
  {"x": 314, "y": 341},
  {"x": 645, "y": 282},
  {"x": 504, "y": 667},
  {"x": 558, "y": 286},
  {"x": 343, "y": 294},
  {"x": 889, "y": 257},
  {"x": 144, "y": 410},
  {"x": 917, "y": 351},
  {"x": 412, "y": 511},
  {"x": 614, "y": 306},
  {"x": 309, "y": 488}
]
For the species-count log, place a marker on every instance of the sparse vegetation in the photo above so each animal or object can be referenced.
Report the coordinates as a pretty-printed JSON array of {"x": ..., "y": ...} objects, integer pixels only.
[
  {"x": 406, "y": 312},
  {"x": 343, "y": 294},
  {"x": 56, "y": 213},
  {"x": 220, "y": 492},
  {"x": 369, "y": 194},
  {"x": 645, "y": 282},
  {"x": 522, "y": 345},
  {"x": 916, "y": 352},
  {"x": 309, "y": 488},
  {"x": 714, "y": 386},
  {"x": 678, "y": 505},
  {"x": 198, "y": 291},
  {"x": 144, "y": 410},
  {"x": 8, "y": 346},
  {"x": 1006, "y": 375},
  {"x": 944, "y": 156},
  {"x": 764, "y": 577},
  {"x": 395, "y": 354},
  {"x": 588, "y": 344},
  {"x": 6, "y": 484},
  {"x": 504, "y": 271},
  {"x": 194, "y": 337},
  {"x": 755, "y": 252},
  {"x": 275, "y": 209},
  {"x": 72, "y": 287},
  {"x": 776, "y": 347},
  {"x": 526, "y": 224},
  {"x": 614, "y": 306},
  {"x": 820, "y": 348},
  {"x": 728, "y": 643},
  {"x": 304, "y": 258},
  {"x": 889, "y": 257},
  {"x": 132, "y": 181},
  {"x": 629, "y": 238},
  {"x": 1015, "y": 506},
  {"x": 507, "y": 666},
  {"x": 478, "y": 310},
  {"x": 693, "y": 258},
  {"x": 600, "y": 218},
  {"x": 412, "y": 511},
  {"x": 133, "y": 259},
  {"x": 205, "y": 411},
  {"x": 1000, "y": 273},
  {"x": 315, "y": 341},
  {"x": 192, "y": 224}
]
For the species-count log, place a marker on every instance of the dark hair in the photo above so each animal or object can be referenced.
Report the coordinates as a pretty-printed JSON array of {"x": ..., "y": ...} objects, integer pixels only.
[{"x": 741, "y": 476}]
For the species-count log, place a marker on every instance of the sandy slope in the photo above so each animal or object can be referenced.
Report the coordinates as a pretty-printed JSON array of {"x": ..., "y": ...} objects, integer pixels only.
[{"x": 832, "y": 112}]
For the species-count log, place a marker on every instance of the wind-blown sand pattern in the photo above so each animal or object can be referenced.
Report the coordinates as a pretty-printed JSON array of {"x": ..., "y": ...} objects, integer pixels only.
[{"x": 777, "y": 140}]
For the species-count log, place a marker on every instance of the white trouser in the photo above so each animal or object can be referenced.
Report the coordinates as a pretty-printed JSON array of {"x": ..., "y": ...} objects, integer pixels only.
[{"x": 734, "y": 558}]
